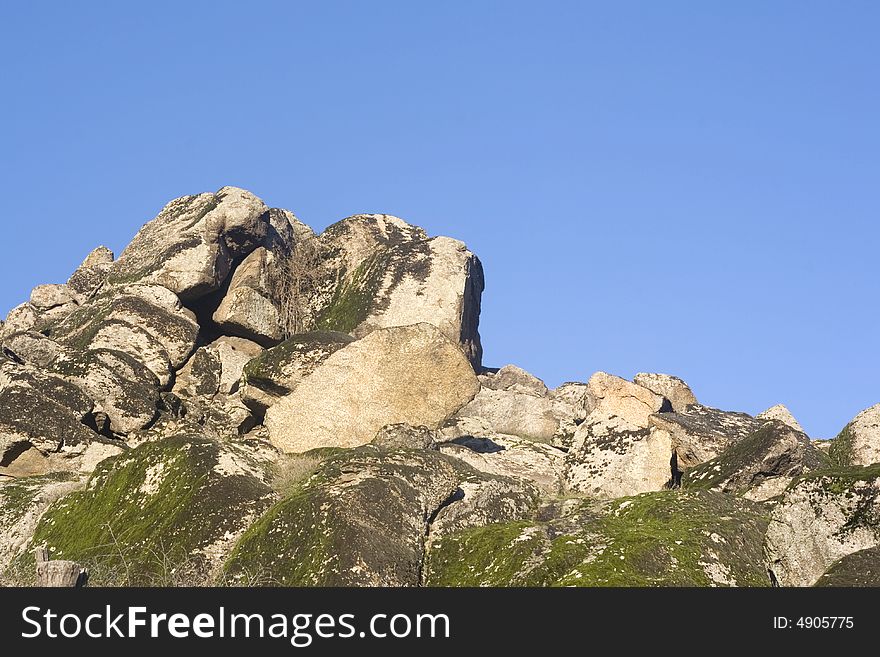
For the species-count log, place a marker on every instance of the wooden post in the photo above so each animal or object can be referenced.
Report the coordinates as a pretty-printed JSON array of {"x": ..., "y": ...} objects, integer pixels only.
[{"x": 64, "y": 574}]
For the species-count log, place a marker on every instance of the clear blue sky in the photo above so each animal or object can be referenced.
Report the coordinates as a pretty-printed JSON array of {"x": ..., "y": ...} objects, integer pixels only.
[{"x": 686, "y": 187}]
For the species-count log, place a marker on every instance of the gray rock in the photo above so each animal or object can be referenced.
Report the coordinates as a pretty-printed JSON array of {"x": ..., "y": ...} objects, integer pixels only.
[
  {"x": 405, "y": 436},
  {"x": 822, "y": 518},
  {"x": 190, "y": 247},
  {"x": 21, "y": 318},
  {"x": 860, "y": 569},
  {"x": 91, "y": 274},
  {"x": 249, "y": 308},
  {"x": 33, "y": 348},
  {"x": 761, "y": 465},
  {"x": 702, "y": 433},
  {"x": 671, "y": 387},
  {"x": 277, "y": 371},
  {"x": 516, "y": 379},
  {"x": 516, "y": 413},
  {"x": 411, "y": 374},
  {"x": 46, "y": 297},
  {"x": 615, "y": 452}
]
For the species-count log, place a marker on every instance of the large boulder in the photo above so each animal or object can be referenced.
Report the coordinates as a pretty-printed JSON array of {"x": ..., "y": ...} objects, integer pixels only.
[
  {"x": 859, "y": 441},
  {"x": 410, "y": 374},
  {"x": 147, "y": 322},
  {"x": 165, "y": 508},
  {"x": 824, "y": 517},
  {"x": 277, "y": 371},
  {"x": 365, "y": 518},
  {"x": 701, "y": 433},
  {"x": 670, "y": 538},
  {"x": 191, "y": 246},
  {"x": 32, "y": 348},
  {"x": 380, "y": 272},
  {"x": 671, "y": 387},
  {"x": 760, "y": 466},
  {"x": 249, "y": 308},
  {"x": 615, "y": 452}
]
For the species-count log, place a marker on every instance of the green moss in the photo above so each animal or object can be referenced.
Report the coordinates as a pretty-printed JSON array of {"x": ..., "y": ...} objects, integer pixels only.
[
  {"x": 840, "y": 450},
  {"x": 354, "y": 295},
  {"x": 669, "y": 538},
  {"x": 268, "y": 365},
  {"x": 17, "y": 495},
  {"x": 154, "y": 505},
  {"x": 839, "y": 479}
]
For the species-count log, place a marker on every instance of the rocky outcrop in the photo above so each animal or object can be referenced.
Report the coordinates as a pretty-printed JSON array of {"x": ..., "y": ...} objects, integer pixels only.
[
  {"x": 277, "y": 371},
  {"x": 670, "y": 538},
  {"x": 191, "y": 246},
  {"x": 380, "y": 272},
  {"x": 187, "y": 499},
  {"x": 91, "y": 274},
  {"x": 702, "y": 433},
  {"x": 781, "y": 413},
  {"x": 411, "y": 374},
  {"x": 671, "y": 387},
  {"x": 824, "y": 517},
  {"x": 615, "y": 451},
  {"x": 405, "y": 436},
  {"x": 761, "y": 465},
  {"x": 859, "y": 441}
]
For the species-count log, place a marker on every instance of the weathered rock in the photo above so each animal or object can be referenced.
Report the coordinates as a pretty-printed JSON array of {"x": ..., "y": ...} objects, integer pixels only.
[
  {"x": 671, "y": 387},
  {"x": 615, "y": 452},
  {"x": 187, "y": 499},
  {"x": 405, "y": 436},
  {"x": 410, "y": 374},
  {"x": 21, "y": 318},
  {"x": 507, "y": 456},
  {"x": 191, "y": 246},
  {"x": 277, "y": 371},
  {"x": 670, "y": 538},
  {"x": 147, "y": 322},
  {"x": 860, "y": 568},
  {"x": 702, "y": 433},
  {"x": 360, "y": 520},
  {"x": 32, "y": 348},
  {"x": 760, "y": 466},
  {"x": 249, "y": 309},
  {"x": 824, "y": 517},
  {"x": 781, "y": 413},
  {"x": 22, "y": 503},
  {"x": 46, "y": 297},
  {"x": 573, "y": 404},
  {"x": 516, "y": 379},
  {"x": 859, "y": 441},
  {"x": 515, "y": 413},
  {"x": 381, "y": 272},
  {"x": 216, "y": 367},
  {"x": 121, "y": 386},
  {"x": 91, "y": 274}
]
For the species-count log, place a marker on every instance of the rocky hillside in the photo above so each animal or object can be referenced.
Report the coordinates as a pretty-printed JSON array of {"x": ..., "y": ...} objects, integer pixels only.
[{"x": 237, "y": 400}]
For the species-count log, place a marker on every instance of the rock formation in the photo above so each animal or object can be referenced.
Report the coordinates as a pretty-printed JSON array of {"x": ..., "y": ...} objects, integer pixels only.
[{"x": 237, "y": 400}]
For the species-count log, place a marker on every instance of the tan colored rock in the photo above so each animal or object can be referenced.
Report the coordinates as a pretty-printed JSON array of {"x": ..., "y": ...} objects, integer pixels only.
[
  {"x": 248, "y": 309},
  {"x": 410, "y": 374},
  {"x": 615, "y": 452},
  {"x": 515, "y": 379},
  {"x": 91, "y": 274},
  {"x": 514, "y": 413},
  {"x": 33, "y": 348},
  {"x": 781, "y": 413},
  {"x": 46, "y": 297},
  {"x": 859, "y": 442},
  {"x": 674, "y": 389},
  {"x": 21, "y": 318}
]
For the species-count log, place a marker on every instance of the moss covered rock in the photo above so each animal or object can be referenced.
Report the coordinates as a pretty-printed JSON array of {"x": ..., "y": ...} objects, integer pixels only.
[
  {"x": 170, "y": 504},
  {"x": 760, "y": 466},
  {"x": 822, "y": 517},
  {"x": 670, "y": 538},
  {"x": 362, "y": 519},
  {"x": 860, "y": 568},
  {"x": 859, "y": 441}
]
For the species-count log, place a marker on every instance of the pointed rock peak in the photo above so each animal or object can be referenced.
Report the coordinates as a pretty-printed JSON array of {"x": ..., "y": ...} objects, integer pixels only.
[
  {"x": 98, "y": 257},
  {"x": 781, "y": 413}
]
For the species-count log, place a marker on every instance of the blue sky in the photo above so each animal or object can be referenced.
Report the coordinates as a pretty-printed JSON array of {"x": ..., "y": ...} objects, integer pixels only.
[{"x": 687, "y": 187}]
